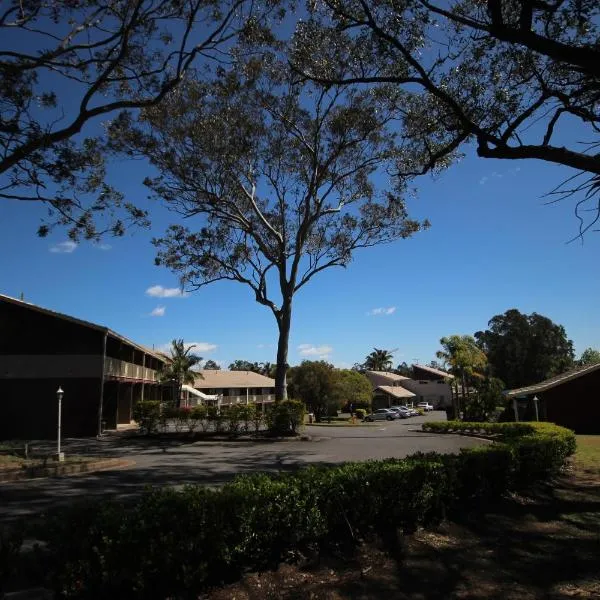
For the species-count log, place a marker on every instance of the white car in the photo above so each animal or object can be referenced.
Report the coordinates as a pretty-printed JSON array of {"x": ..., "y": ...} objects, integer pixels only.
[
  {"x": 425, "y": 406},
  {"x": 382, "y": 414}
]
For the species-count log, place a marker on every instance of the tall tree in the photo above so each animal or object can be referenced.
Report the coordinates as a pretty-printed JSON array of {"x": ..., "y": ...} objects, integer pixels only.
[
  {"x": 509, "y": 76},
  {"x": 351, "y": 388},
  {"x": 379, "y": 360},
  {"x": 278, "y": 178},
  {"x": 313, "y": 382},
  {"x": 589, "y": 356},
  {"x": 179, "y": 369},
  {"x": 245, "y": 365},
  {"x": 64, "y": 64},
  {"x": 525, "y": 349},
  {"x": 465, "y": 359}
]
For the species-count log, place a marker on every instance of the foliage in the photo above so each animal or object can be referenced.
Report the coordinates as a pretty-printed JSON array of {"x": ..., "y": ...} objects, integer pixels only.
[
  {"x": 472, "y": 71},
  {"x": 211, "y": 365},
  {"x": 147, "y": 415},
  {"x": 360, "y": 413},
  {"x": 351, "y": 388},
  {"x": 484, "y": 398},
  {"x": 404, "y": 370},
  {"x": 176, "y": 543},
  {"x": 525, "y": 349},
  {"x": 285, "y": 417},
  {"x": 379, "y": 360},
  {"x": 589, "y": 356},
  {"x": 11, "y": 541},
  {"x": 64, "y": 64},
  {"x": 298, "y": 196},
  {"x": 179, "y": 368},
  {"x": 313, "y": 382}
]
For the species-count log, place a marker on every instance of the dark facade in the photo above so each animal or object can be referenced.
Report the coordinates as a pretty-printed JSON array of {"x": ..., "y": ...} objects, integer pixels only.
[
  {"x": 572, "y": 403},
  {"x": 102, "y": 374}
]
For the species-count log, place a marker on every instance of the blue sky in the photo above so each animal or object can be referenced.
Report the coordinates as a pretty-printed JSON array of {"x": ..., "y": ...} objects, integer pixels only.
[{"x": 492, "y": 246}]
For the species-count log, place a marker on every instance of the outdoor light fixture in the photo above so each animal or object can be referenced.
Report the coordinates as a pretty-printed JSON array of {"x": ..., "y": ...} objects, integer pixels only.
[
  {"x": 535, "y": 406},
  {"x": 60, "y": 456}
]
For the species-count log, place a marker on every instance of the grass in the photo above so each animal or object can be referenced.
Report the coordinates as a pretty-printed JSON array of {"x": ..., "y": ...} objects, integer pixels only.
[{"x": 587, "y": 457}]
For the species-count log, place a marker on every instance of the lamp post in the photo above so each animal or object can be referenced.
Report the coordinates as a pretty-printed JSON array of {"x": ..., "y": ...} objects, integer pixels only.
[
  {"x": 535, "y": 406},
  {"x": 60, "y": 456}
]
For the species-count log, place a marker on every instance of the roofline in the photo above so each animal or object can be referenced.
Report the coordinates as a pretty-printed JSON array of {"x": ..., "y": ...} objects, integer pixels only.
[
  {"x": 433, "y": 370},
  {"x": 551, "y": 383},
  {"x": 88, "y": 324}
]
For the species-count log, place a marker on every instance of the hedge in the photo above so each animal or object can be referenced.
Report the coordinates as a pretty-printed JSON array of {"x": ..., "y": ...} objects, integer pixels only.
[{"x": 175, "y": 543}]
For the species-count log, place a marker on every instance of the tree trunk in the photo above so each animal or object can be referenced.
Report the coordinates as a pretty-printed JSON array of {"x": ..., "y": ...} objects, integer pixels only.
[{"x": 284, "y": 321}]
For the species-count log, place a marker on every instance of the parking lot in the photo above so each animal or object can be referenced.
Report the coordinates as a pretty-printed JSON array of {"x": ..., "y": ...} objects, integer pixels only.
[{"x": 214, "y": 462}]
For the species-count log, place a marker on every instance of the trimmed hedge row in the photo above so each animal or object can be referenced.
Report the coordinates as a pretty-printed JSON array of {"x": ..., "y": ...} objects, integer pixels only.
[{"x": 175, "y": 543}]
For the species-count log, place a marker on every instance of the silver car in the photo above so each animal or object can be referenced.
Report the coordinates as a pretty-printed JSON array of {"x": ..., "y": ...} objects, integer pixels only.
[
  {"x": 382, "y": 414},
  {"x": 403, "y": 412}
]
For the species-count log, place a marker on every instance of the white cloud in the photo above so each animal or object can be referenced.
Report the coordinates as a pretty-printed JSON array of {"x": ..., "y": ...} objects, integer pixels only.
[
  {"x": 159, "y": 311},
  {"x": 483, "y": 180},
  {"x": 320, "y": 351},
  {"x": 199, "y": 347},
  {"x": 390, "y": 310},
  {"x": 64, "y": 247},
  {"x": 158, "y": 291},
  {"x": 104, "y": 246}
]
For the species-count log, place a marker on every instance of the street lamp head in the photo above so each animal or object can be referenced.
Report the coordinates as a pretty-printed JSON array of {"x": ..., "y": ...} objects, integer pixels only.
[
  {"x": 536, "y": 399},
  {"x": 59, "y": 393}
]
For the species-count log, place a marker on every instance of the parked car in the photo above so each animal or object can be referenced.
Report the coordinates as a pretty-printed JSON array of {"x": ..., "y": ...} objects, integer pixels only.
[
  {"x": 412, "y": 412},
  {"x": 425, "y": 406},
  {"x": 402, "y": 411},
  {"x": 382, "y": 414}
]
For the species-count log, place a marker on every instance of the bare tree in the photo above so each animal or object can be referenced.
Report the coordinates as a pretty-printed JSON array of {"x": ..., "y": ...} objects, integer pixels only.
[
  {"x": 278, "y": 177},
  {"x": 63, "y": 64}
]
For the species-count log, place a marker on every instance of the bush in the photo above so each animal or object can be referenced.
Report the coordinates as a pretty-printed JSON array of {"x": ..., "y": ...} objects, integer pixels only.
[
  {"x": 147, "y": 415},
  {"x": 285, "y": 417},
  {"x": 176, "y": 543},
  {"x": 360, "y": 413}
]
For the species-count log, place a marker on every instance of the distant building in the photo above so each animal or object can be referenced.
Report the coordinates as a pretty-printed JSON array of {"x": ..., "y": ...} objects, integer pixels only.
[
  {"x": 569, "y": 399},
  {"x": 101, "y": 372},
  {"x": 426, "y": 385},
  {"x": 233, "y": 387}
]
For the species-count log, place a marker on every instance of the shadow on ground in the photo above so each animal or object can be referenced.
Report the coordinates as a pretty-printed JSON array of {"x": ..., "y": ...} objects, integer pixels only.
[{"x": 544, "y": 545}]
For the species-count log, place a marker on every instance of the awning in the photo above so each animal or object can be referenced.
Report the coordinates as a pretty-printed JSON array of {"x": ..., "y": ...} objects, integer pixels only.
[{"x": 198, "y": 393}]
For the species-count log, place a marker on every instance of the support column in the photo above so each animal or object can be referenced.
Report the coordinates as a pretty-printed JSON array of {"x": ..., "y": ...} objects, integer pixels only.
[{"x": 516, "y": 409}]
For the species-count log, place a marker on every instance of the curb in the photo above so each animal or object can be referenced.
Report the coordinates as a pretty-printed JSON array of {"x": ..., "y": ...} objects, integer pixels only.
[{"x": 64, "y": 470}]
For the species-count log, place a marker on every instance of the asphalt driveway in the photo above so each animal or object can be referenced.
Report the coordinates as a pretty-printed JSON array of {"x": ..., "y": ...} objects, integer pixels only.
[{"x": 214, "y": 462}]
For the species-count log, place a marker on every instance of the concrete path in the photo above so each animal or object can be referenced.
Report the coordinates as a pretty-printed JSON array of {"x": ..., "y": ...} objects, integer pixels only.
[{"x": 214, "y": 462}]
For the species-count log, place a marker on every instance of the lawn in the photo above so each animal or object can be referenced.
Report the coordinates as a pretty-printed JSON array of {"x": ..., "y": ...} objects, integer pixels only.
[{"x": 587, "y": 458}]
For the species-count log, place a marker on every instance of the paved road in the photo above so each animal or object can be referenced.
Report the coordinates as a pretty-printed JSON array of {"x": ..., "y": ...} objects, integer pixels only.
[{"x": 216, "y": 462}]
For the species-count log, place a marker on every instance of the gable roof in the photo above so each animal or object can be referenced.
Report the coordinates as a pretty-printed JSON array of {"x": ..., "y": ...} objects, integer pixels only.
[
  {"x": 397, "y": 391},
  {"x": 232, "y": 379},
  {"x": 81, "y": 322},
  {"x": 388, "y": 375},
  {"x": 434, "y": 371},
  {"x": 552, "y": 382}
]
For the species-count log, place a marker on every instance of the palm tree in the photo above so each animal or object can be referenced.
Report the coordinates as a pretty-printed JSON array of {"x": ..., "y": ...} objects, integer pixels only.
[
  {"x": 179, "y": 368},
  {"x": 379, "y": 360},
  {"x": 464, "y": 359}
]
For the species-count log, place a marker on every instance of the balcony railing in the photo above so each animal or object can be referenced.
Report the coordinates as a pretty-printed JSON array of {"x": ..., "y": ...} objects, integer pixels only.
[
  {"x": 251, "y": 398},
  {"x": 113, "y": 367}
]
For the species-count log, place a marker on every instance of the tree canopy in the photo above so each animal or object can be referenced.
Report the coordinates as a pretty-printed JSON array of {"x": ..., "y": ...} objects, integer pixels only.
[
  {"x": 274, "y": 179},
  {"x": 211, "y": 365},
  {"x": 589, "y": 356},
  {"x": 179, "y": 369},
  {"x": 379, "y": 360},
  {"x": 525, "y": 349},
  {"x": 511, "y": 77},
  {"x": 64, "y": 64}
]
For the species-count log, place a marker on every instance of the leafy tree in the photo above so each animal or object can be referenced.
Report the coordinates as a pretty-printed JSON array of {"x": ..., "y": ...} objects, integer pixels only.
[
  {"x": 589, "y": 357},
  {"x": 351, "y": 388},
  {"x": 245, "y": 365},
  {"x": 179, "y": 368},
  {"x": 379, "y": 360},
  {"x": 465, "y": 359},
  {"x": 211, "y": 365},
  {"x": 487, "y": 395},
  {"x": 404, "y": 370},
  {"x": 525, "y": 349},
  {"x": 480, "y": 71},
  {"x": 313, "y": 382},
  {"x": 277, "y": 176},
  {"x": 96, "y": 58}
]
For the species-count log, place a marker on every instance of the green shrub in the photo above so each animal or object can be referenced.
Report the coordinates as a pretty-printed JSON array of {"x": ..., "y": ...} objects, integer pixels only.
[
  {"x": 360, "y": 413},
  {"x": 285, "y": 417},
  {"x": 176, "y": 543},
  {"x": 147, "y": 415}
]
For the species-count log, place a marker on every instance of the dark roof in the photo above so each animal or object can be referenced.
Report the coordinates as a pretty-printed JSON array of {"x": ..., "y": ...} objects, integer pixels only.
[
  {"x": 552, "y": 382},
  {"x": 88, "y": 324},
  {"x": 434, "y": 371}
]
